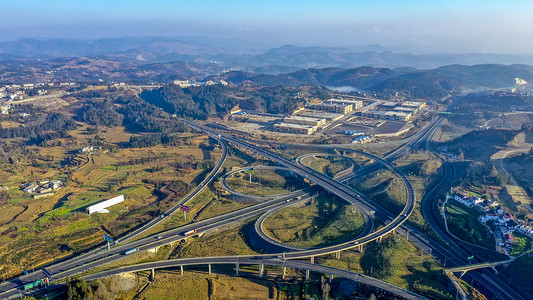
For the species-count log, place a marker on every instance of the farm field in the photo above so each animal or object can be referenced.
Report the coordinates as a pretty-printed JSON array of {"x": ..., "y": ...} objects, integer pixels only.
[{"x": 36, "y": 231}]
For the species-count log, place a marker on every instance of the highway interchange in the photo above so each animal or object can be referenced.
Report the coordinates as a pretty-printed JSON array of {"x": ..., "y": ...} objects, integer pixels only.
[{"x": 100, "y": 256}]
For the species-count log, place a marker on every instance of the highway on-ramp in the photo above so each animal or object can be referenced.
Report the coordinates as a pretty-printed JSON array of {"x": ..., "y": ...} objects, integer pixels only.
[{"x": 252, "y": 260}]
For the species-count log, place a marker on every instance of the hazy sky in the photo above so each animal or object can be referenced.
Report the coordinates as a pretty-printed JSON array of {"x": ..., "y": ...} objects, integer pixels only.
[{"x": 402, "y": 25}]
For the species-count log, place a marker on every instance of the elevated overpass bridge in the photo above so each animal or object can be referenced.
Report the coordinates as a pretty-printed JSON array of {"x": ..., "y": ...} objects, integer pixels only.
[{"x": 466, "y": 268}]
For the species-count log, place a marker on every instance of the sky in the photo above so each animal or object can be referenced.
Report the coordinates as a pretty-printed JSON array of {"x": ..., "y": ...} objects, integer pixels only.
[{"x": 417, "y": 26}]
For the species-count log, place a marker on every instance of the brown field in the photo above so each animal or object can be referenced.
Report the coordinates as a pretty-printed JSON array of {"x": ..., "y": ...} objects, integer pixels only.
[
  {"x": 9, "y": 124},
  {"x": 95, "y": 177},
  {"x": 169, "y": 285},
  {"x": 116, "y": 135}
]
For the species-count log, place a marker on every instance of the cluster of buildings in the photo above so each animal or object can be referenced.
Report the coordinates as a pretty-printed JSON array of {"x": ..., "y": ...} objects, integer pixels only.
[
  {"x": 10, "y": 93},
  {"x": 504, "y": 223},
  {"x": 187, "y": 83},
  {"x": 41, "y": 189},
  {"x": 5, "y": 106},
  {"x": 467, "y": 200},
  {"x": 305, "y": 121},
  {"x": 300, "y": 124},
  {"x": 395, "y": 111},
  {"x": 340, "y": 106},
  {"x": 88, "y": 149}
]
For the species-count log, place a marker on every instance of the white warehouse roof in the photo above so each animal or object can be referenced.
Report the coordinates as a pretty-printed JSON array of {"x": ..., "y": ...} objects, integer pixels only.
[{"x": 101, "y": 207}]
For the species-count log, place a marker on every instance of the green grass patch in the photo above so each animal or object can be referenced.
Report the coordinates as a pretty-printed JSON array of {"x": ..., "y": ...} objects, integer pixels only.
[
  {"x": 318, "y": 164},
  {"x": 522, "y": 244},
  {"x": 393, "y": 199},
  {"x": 396, "y": 261},
  {"x": 241, "y": 185},
  {"x": 115, "y": 168},
  {"x": 229, "y": 242},
  {"x": 136, "y": 192},
  {"x": 220, "y": 206},
  {"x": 76, "y": 226},
  {"x": 473, "y": 194},
  {"x": 323, "y": 221},
  {"x": 463, "y": 222}
]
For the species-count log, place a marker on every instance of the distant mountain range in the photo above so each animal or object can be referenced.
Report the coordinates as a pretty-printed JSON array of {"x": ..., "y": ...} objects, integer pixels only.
[
  {"x": 418, "y": 83},
  {"x": 155, "y": 59},
  {"x": 239, "y": 54}
]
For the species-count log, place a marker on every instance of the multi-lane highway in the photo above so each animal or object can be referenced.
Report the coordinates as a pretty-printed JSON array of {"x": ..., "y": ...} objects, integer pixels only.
[
  {"x": 252, "y": 260},
  {"x": 103, "y": 257},
  {"x": 183, "y": 201},
  {"x": 342, "y": 191},
  {"x": 483, "y": 279},
  {"x": 96, "y": 255}
]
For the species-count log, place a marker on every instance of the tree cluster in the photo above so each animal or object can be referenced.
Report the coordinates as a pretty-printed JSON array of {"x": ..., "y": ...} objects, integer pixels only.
[
  {"x": 274, "y": 99},
  {"x": 78, "y": 289},
  {"x": 101, "y": 114},
  {"x": 46, "y": 127},
  {"x": 145, "y": 117},
  {"x": 379, "y": 259},
  {"x": 195, "y": 102}
]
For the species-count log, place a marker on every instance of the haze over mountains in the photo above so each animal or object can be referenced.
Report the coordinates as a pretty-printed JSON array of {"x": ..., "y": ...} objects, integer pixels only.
[
  {"x": 163, "y": 60},
  {"x": 240, "y": 54}
]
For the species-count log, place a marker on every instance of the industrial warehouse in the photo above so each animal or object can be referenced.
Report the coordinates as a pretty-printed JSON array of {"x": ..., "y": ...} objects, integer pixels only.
[
  {"x": 340, "y": 105},
  {"x": 304, "y": 121},
  {"x": 395, "y": 111},
  {"x": 101, "y": 206},
  {"x": 334, "y": 115}
]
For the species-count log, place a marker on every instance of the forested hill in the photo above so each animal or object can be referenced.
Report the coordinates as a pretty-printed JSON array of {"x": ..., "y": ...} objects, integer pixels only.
[{"x": 204, "y": 101}]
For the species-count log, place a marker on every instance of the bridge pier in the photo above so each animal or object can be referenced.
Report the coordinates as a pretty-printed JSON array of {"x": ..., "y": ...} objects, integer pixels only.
[
  {"x": 312, "y": 259},
  {"x": 379, "y": 239},
  {"x": 181, "y": 269},
  {"x": 284, "y": 272},
  {"x": 330, "y": 277},
  {"x": 338, "y": 255},
  {"x": 209, "y": 265},
  {"x": 462, "y": 274},
  {"x": 360, "y": 248},
  {"x": 261, "y": 269},
  {"x": 306, "y": 275},
  {"x": 237, "y": 269},
  {"x": 152, "y": 275}
]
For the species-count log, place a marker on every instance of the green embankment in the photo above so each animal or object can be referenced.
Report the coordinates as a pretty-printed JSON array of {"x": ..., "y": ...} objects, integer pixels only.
[{"x": 322, "y": 221}]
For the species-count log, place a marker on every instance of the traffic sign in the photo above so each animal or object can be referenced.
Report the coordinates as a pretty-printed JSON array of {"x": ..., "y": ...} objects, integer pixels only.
[
  {"x": 249, "y": 171},
  {"x": 107, "y": 238},
  {"x": 185, "y": 208},
  {"x": 46, "y": 273}
]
